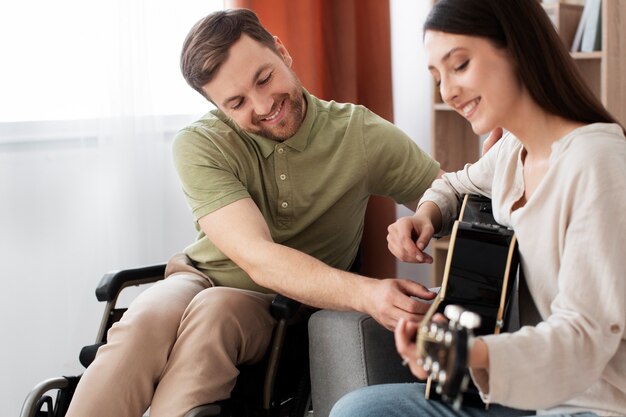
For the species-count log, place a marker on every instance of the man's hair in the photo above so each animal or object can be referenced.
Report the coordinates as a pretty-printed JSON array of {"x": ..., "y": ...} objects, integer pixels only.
[
  {"x": 207, "y": 45},
  {"x": 543, "y": 64}
]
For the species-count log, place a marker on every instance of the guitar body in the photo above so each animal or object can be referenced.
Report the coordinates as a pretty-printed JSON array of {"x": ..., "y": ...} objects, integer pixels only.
[{"x": 479, "y": 276}]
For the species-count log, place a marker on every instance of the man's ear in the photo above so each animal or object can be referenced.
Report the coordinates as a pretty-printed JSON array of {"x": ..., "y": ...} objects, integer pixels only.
[{"x": 282, "y": 51}]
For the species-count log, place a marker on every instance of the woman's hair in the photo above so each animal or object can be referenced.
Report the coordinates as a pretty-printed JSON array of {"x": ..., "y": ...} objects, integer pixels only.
[
  {"x": 543, "y": 64},
  {"x": 206, "y": 47}
]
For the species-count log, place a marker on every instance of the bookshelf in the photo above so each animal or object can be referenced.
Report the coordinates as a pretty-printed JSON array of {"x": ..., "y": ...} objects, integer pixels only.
[{"x": 454, "y": 143}]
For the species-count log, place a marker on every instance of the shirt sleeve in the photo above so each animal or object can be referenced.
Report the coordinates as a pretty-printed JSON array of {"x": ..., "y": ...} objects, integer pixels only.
[
  {"x": 575, "y": 346},
  {"x": 208, "y": 181},
  {"x": 397, "y": 167}
]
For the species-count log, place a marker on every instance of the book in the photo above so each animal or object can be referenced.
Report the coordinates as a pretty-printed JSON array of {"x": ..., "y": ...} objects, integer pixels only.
[
  {"x": 578, "y": 36},
  {"x": 565, "y": 18},
  {"x": 592, "y": 33}
]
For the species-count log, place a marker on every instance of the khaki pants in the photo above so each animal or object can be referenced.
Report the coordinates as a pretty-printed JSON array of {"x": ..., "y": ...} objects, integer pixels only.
[{"x": 175, "y": 348}]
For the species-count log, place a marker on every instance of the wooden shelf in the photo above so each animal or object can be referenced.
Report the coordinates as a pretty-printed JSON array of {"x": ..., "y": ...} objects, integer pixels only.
[
  {"x": 442, "y": 107},
  {"x": 596, "y": 55},
  {"x": 565, "y": 18}
]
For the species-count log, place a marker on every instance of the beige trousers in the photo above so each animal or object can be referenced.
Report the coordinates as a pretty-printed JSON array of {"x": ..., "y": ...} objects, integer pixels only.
[{"x": 175, "y": 348}]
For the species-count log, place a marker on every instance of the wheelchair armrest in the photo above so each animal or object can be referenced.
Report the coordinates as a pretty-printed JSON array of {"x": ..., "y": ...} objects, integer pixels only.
[
  {"x": 113, "y": 282},
  {"x": 283, "y": 307}
]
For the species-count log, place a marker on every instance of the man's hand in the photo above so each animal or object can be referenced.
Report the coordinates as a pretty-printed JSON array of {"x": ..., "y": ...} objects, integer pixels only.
[{"x": 390, "y": 300}]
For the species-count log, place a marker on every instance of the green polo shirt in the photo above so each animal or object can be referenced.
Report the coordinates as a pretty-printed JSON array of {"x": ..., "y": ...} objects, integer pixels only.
[{"x": 312, "y": 189}]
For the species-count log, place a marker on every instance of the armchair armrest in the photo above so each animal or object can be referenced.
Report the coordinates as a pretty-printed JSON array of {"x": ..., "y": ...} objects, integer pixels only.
[{"x": 350, "y": 350}]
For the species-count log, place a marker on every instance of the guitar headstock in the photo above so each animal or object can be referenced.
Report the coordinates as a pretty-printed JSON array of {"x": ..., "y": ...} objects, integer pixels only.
[{"x": 444, "y": 348}]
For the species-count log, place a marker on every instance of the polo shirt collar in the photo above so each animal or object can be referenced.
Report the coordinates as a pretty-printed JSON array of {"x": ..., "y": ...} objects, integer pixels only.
[{"x": 298, "y": 141}]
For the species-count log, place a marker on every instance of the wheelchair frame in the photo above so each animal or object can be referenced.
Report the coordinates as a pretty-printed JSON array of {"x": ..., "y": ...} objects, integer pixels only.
[{"x": 272, "y": 402}]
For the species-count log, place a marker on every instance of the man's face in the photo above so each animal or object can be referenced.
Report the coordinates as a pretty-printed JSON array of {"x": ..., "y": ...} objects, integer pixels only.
[{"x": 257, "y": 89}]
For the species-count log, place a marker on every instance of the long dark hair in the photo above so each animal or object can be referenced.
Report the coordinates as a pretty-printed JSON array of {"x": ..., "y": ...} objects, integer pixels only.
[{"x": 543, "y": 63}]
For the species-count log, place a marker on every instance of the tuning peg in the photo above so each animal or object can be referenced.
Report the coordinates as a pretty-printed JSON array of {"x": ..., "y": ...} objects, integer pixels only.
[
  {"x": 432, "y": 331},
  {"x": 453, "y": 312},
  {"x": 440, "y": 335},
  {"x": 456, "y": 404},
  {"x": 469, "y": 320},
  {"x": 435, "y": 368},
  {"x": 427, "y": 363},
  {"x": 442, "y": 376}
]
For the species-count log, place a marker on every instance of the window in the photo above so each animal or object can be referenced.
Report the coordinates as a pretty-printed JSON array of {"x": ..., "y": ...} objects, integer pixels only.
[{"x": 74, "y": 59}]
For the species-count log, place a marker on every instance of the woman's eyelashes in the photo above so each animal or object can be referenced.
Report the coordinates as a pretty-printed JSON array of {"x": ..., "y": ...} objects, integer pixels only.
[
  {"x": 462, "y": 66},
  {"x": 459, "y": 68}
]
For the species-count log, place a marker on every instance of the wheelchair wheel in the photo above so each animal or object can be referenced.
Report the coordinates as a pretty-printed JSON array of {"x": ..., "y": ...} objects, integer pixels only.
[{"x": 39, "y": 404}]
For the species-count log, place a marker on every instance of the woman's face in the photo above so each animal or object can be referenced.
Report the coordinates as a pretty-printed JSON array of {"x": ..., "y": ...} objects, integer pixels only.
[{"x": 475, "y": 78}]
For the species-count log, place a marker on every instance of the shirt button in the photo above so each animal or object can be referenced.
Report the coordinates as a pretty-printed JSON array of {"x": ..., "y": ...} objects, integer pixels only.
[
  {"x": 283, "y": 177},
  {"x": 281, "y": 150},
  {"x": 284, "y": 204}
]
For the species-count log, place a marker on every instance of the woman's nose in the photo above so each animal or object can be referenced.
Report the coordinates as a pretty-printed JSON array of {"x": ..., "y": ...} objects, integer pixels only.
[{"x": 448, "y": 90}]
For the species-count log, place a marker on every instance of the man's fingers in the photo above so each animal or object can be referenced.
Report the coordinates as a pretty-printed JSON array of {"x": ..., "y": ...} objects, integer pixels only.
[
  {"x": 412, "y": 307},
  {"x": 416, "y": 289}
]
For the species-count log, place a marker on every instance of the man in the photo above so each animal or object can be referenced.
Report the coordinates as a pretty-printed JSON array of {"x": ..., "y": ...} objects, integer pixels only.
[{"x": 278, "y": 182}]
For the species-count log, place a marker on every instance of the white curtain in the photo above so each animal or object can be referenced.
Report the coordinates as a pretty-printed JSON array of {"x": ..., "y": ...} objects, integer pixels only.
[{"x": 90, "y": 98}]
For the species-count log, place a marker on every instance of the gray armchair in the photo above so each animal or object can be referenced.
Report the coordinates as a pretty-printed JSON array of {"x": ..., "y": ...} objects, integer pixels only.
[{"x": 349, "y": 350}]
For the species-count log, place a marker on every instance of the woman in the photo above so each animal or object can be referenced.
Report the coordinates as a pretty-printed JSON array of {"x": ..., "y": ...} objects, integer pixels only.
[{"x": 558, "y": 179}]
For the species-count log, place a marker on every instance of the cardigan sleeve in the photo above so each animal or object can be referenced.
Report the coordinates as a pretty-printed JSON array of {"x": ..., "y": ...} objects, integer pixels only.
[{"x": 477, "y": 178}]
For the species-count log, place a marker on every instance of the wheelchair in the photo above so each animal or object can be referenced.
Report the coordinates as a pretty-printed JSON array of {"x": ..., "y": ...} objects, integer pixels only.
[{"x": 278, "y": 386}]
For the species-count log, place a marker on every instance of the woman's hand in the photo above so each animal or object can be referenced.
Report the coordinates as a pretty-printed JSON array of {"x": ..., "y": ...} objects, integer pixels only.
[
  {"x": 409, "y": 236},
  {"x": 405, "y": 335},
  {"x": 494, "y": 136}
]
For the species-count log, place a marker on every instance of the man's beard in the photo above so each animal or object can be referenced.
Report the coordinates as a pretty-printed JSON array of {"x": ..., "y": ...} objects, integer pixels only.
[{"x": 294, "y": 115}]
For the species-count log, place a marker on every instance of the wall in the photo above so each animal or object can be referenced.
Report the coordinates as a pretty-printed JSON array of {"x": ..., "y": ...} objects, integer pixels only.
[
  {"x": 68, "y": 215},
  {"x": 411, "y": 92}
]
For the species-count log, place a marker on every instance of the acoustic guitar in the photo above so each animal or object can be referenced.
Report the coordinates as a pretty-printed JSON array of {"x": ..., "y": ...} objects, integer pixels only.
[{"x": 479, "y": 275}]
